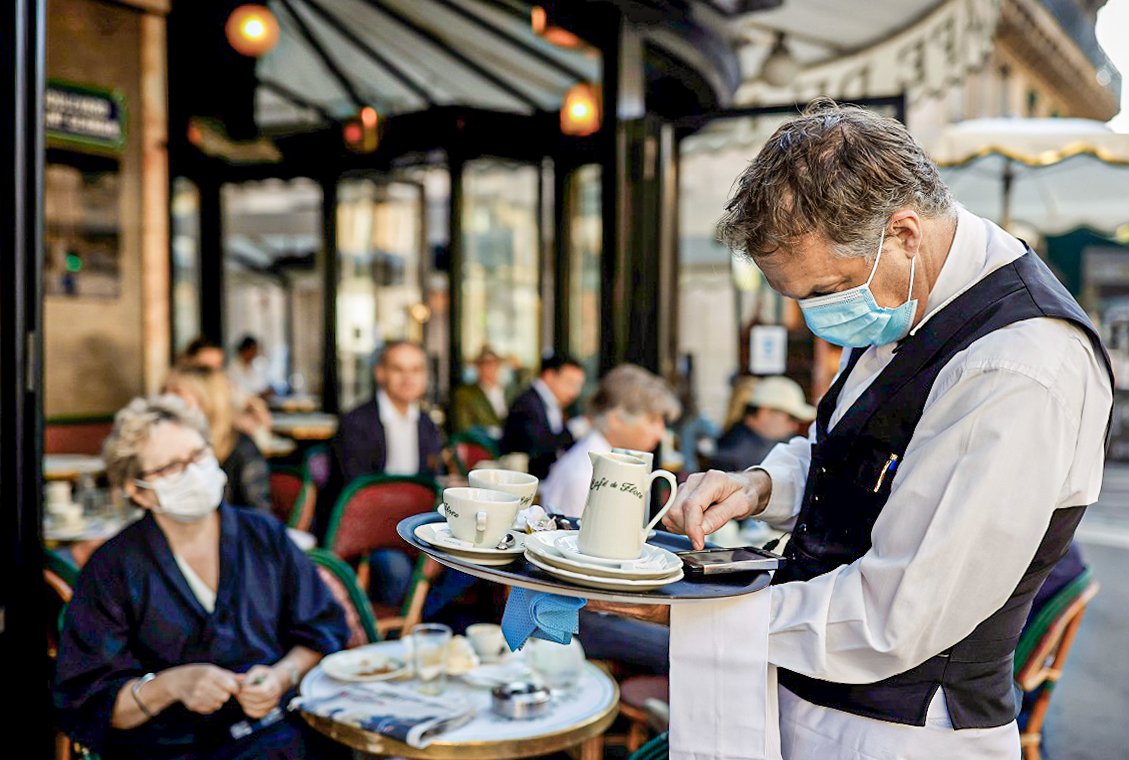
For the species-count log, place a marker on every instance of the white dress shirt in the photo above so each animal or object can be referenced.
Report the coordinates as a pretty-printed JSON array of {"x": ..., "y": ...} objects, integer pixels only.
[
  {"x": 1013, "y": 429},
  {"x": 250, "y": 378},
  {"x": 565, "y": 490},
  {"x": 552, "y": 406},
  {"x": 496, "y": 395},
  {"x": 401, "y": 437}
]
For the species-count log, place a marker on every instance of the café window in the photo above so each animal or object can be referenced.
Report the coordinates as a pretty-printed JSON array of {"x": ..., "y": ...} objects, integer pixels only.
[
  {"x": 501, "y": 299},
  {"x": 185, "y": 262},
  {"x": 273, "y": 278},
  {"x": 381, "y": 270},
  {"x": 584, "y": 248}
]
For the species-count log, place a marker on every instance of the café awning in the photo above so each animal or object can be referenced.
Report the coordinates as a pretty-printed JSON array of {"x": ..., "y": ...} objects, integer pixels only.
[{"x": 401, "y": 56}]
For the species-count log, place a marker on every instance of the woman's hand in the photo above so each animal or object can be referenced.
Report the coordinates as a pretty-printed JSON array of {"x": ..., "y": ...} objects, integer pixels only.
[
  {"x": 709, "y": 500},
  {"x": 202, "y": 688},
  {"x": 259, "y": 691}
]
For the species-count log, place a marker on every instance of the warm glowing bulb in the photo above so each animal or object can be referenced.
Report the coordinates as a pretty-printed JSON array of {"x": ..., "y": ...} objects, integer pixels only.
[
  {"x": 253, "y": 28},
  {"x": 368, "y": 116},
  {"x": 580, "y": 114}
]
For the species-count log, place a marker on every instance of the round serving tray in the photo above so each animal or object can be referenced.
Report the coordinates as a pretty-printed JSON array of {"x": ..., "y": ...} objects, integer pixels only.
[{"x": 524, "y": 575}]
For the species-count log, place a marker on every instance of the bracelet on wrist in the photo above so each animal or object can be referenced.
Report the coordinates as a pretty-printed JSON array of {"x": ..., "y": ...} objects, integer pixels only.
[{"x": 135, "y": 690}]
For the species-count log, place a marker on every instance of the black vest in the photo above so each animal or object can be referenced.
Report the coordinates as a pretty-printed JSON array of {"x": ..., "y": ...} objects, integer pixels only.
[{"x": 853, "y": 467}]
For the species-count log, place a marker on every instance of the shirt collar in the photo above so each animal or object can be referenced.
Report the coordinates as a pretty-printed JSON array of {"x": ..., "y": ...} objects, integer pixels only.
[
  {"x": 546, "y": 394},
  {"x": 389, "y": 411},
  {"x": 963, "y": 266}
]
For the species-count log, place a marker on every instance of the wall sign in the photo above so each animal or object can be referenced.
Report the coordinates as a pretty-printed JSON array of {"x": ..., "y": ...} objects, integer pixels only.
[
  {"x": 768, "y": 350},
  {"x": 84, "y": 117}
]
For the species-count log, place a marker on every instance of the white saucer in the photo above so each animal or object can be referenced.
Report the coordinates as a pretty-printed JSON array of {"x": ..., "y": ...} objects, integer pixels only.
[
  {"x": 365, "y": 664},
  {"x": 437, "y": 534},
  {"x": 604, "y": 582},
  {"x": 661, "y": 563}
]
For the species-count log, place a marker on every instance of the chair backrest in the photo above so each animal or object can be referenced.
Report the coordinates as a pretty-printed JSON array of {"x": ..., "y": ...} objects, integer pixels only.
[
  {"x": 1044, "y": 643},
  {"x": 342, "y": 583},
  {"x": 61, "y": 565},
  {"x": 368, "y": 511},
  {"x": 287, "y": 491},
  {"x": 319, "y": 466},
  {"x": 470, "y": 448},
  {"x": 77, "y": 436}
]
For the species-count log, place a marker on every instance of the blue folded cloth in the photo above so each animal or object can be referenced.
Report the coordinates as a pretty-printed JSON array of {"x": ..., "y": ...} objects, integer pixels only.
[{"x": 544, "y": 616}]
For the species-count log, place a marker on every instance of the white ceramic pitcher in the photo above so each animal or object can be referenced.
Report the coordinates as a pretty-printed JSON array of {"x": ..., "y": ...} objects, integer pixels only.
[{"x": 612, "y": 525}]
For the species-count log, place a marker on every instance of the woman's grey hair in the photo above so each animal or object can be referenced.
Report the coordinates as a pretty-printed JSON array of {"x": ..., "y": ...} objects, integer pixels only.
[
  {"x": 632, "y": 391},
  {"x": 132, "y": 426},
  {"x": 837, "y": 171}
]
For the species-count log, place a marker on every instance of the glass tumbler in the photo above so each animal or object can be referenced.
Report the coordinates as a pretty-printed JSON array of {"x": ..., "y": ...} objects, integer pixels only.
[{"x": 429, "y": 655}]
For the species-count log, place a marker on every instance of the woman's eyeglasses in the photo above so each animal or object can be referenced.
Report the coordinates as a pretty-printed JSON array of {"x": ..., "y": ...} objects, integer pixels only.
[{"x": 175, "y": 469}]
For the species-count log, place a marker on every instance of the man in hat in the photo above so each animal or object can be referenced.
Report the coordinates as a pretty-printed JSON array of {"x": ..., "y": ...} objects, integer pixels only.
[
  {"x": 775, "y": 412},
  {"x": 482, "y": 404}
]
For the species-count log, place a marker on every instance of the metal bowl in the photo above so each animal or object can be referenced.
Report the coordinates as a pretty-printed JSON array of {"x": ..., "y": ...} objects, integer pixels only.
[{"x": 520, "y": 699}]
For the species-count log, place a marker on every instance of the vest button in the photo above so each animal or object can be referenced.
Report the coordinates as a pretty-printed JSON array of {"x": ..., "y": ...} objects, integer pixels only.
[
  {"x": 815, "y": 498},
  {"x": 822, "y": 470}
]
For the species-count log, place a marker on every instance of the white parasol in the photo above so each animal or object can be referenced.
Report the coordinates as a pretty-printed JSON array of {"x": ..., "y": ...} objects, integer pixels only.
[{"x": 1052, "y": 174}]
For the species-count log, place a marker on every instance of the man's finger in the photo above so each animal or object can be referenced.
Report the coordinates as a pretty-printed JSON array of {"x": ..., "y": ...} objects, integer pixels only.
[{"x": 713, "y": 488}]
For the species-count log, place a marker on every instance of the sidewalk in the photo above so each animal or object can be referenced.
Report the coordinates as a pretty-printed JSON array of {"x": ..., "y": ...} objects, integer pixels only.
[{"x": 1087, "y": 720}]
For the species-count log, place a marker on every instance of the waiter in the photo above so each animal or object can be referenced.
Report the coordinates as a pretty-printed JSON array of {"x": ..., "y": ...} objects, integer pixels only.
[{"x": 949, "y": 464}]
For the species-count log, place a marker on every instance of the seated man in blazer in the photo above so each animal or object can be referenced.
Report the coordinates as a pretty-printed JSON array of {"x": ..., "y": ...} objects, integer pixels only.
[
  {"x": 390, "y": 435},
  {"x": 536, "y": 422}
]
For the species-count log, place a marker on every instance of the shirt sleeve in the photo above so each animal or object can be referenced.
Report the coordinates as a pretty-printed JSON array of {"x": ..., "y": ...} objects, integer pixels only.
[
  {"x": 787, "y": 466},
  {"x": 312, "y": 618},
  {"x": 966, "y": 513},
  {"x": 95, "y": 660}
]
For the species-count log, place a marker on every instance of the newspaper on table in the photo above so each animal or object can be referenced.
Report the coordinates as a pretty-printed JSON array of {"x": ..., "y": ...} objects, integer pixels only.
[{"x": 398, "y": 713}]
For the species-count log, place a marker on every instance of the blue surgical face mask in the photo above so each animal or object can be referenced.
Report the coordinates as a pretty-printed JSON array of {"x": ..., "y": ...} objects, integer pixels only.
[{"x": 853, "y": 318}]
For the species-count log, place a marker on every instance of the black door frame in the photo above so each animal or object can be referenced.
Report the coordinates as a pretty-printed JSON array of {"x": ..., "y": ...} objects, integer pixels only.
[{"x": 22, "y": 617}]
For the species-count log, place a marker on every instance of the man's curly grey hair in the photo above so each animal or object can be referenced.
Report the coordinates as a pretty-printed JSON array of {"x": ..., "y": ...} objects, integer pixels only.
[{"x": 132, "y": 426}]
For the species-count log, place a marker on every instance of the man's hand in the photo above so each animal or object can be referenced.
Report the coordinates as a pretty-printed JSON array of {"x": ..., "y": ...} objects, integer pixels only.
[
  {"x": 709, "y": 500},
  {"x": 202, "y": 688},
  {"x": 259, "y": 691}
]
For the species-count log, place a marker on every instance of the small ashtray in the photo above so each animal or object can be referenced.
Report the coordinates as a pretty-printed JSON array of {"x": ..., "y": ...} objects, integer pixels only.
[{"x": 520, "y": 699}]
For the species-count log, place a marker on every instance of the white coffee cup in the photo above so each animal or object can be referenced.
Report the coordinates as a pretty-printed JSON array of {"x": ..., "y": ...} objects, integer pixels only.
[
  {"x": 479, "y": 515},
  {"x": 647, "y": 456},
  {"x": 520, "y": 484},
  {"x": 559, "y": 665},
  {"x": 488, "y": 641},
  {"x": 58, "y": 493}
]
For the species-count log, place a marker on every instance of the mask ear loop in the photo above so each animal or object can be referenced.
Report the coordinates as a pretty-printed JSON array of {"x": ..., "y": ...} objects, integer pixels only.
[
  {"x": 912, "y": 272},
  {"x": 874, "y": 269}
]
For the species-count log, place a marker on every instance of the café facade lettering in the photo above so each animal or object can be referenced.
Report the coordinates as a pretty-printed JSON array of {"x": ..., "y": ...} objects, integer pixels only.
[{"x": 940, "y": 50}]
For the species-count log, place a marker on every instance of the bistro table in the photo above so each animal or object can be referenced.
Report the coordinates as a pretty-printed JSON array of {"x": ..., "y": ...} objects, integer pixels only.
[
  {"x": 71, "y": 466},
  {"x": 312, "y": 426},
  {"x": 579, "y": 718}
]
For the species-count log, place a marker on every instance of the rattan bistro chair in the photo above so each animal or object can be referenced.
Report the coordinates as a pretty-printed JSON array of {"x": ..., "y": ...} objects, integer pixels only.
[
  {"x": 365, "y": 518},
  {"x": 1042, "y": 650},
  {"x": 342, "y": 583},
  {"x": 469, "y": 448}
]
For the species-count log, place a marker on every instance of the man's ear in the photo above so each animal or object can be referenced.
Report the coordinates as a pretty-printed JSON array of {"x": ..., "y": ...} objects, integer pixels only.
[{"x": 905, "y": 227}]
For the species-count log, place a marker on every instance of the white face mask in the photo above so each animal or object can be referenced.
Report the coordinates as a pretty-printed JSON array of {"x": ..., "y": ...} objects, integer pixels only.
[{"x": 191, "y": 496}]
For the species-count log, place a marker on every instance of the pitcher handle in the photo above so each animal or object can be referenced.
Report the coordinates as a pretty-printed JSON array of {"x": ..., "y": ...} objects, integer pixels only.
[{"x": 669, "y": 478}]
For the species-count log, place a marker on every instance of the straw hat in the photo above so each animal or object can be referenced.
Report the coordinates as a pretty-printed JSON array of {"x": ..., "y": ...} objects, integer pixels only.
[{"x": 782, "y": 394}]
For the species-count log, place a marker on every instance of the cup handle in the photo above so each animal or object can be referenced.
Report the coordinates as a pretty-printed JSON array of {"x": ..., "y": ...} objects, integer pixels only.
[
  {"x": 669, "y": 478},
  {"x": 480, "y": 522}
]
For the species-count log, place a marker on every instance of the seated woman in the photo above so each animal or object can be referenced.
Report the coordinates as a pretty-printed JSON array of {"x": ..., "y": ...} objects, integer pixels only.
[
  {"x": 193, "y": 624},
  {"x": 248, "y": 476}
]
